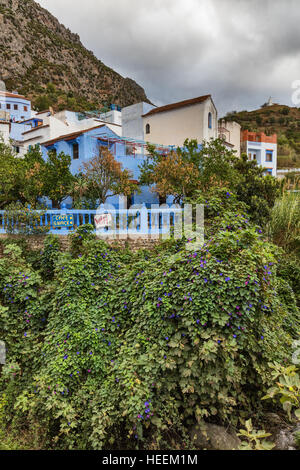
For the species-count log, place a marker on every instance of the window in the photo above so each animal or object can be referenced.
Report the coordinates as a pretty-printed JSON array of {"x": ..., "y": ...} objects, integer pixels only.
[
  {"x": 147, "y": 128},
  {"x": 25, "y": 108},
  {"x": 209, "y": 120},
  {"x": 15, "y": 107},
  {"x": 269, "y": 156},
  {"x": 75, "y": 151},
  {"x": 8, "y": 106}
]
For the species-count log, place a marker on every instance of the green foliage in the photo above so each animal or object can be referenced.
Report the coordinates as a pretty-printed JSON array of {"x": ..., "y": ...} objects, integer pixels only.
[
  {"x": 24, "y": 220},
  {"x": 9, "y": 176},
  {"x": 133, "y": 346},
  {"x": 284, "y": 225},
  {"x": 213, "y": 164},
  {"x": 59, "y": 180},
  {"x": 289, "y": 270},
  {"x": 25, "y": 180},
  {"x": 49, "y": 256},
  {"x": 83, "y": 233},
  {"x": 254, "y": 440},
  {"x": 257, "y": 191},
  {"x": 287, "y": 387}
]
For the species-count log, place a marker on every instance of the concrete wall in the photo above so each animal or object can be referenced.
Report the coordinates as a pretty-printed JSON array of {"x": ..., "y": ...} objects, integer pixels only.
[
  {"x": 132, "y": 121},
  {"x": 233, "y": 134},
  {"x": 16, "y": 114},
  {"x": 259, "y": 150},
  {"x": 4, "y": 131},
  {"x": 174, "y": 126}
]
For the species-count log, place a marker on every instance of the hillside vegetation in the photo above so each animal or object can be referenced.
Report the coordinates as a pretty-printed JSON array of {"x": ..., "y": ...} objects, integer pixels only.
[
  {"x": 36, "y": 50},
  {"x": 280, "y": 119}
]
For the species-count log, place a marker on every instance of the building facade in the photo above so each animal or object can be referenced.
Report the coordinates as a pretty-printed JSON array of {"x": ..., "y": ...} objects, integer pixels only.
[
  {"x": 230, "y": 133},
  {"x": 85, "y": 144},
  {"x": 262, "y": 148},
  {"x": 4, "y": 131},
  {"x": 174, "y": 123},
  {"x": 18, "y": 107}
]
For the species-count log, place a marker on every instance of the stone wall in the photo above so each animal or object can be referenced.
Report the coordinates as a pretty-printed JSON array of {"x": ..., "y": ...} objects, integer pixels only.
[{"x": 36, "y": 242}]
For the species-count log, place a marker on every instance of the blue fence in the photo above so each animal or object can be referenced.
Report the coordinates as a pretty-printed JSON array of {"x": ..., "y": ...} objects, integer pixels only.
[{"x": 140, "y": 221}]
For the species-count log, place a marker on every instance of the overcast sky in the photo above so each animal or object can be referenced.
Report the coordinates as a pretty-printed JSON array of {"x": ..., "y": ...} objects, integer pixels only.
[{"x": 240, "y": 51}]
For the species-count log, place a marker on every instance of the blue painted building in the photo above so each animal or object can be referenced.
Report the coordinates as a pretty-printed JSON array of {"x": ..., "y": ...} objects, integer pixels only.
[
  {"x": 18, "y": 128},
  {"x": 83, "y": 145},
  {"x": 18, "y": 107}
]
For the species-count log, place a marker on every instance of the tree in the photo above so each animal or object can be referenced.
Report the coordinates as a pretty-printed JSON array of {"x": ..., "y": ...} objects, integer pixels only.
[
  {"x": 58, "y": 180},
  {"x": 189, "y": 168},
  {"x": 33, "y": 170},
  {"x": 10, "y": 176},
  {"x": 173, "y": 175},
  {"x": 256, "y": 190},
  {"x": 104, "y": 177},
  {"x": 217, "y": 164}
]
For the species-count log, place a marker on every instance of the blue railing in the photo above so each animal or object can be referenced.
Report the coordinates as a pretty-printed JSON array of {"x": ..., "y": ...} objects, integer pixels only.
[{"x": 134, "y": 221}]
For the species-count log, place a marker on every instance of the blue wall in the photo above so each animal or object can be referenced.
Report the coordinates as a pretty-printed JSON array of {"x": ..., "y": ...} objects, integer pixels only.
[
  {"x": 88, "y": 145},
  {"x": 16, "y": 114}
]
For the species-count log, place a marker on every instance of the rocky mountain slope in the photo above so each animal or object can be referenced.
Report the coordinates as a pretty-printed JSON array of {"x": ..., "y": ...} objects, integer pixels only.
[
  {"x": 47, "y": 62},
  {"x": 280, "y": 119}
]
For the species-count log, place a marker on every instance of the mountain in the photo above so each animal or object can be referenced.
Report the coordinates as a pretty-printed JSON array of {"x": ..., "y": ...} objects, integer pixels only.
[
  {"x": 45, "y": 61},
  {"x": 280, "y": 119}
]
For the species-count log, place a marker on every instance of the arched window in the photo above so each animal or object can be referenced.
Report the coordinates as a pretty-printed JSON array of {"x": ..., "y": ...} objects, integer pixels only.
[
  {"x": 147, "y": 128},
  {"x": 209, "y": 120}
]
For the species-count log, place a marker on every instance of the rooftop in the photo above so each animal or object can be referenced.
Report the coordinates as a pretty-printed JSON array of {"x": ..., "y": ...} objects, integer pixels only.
[
  {"x": 71, "y": 136},
  {"x": 8, "y": 94},
  {"x": 179, "y": 104}
]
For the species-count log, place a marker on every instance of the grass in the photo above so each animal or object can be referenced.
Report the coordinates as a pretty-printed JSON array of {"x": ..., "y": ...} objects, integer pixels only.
[{"x": 284, "y": 226}]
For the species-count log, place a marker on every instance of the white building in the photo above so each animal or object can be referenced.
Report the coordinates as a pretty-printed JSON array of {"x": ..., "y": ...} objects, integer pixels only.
[
  {"x": 4, "y": 131},
  {"x": 262, "y": 148},
  {"x": 47, "y": 125},
  {"x": 230, "y": 133},
  {"x": 172, "y": 124}
]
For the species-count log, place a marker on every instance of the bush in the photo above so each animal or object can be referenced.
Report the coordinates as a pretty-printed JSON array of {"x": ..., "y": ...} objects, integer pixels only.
[
  {"x": 135, "y": 351},
  {"x": 22, "y": 219},
  {"x": 284, "y": 226}
]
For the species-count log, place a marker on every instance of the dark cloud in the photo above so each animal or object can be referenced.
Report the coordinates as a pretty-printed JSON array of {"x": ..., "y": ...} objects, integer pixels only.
[{"x": 240, "y": 51}]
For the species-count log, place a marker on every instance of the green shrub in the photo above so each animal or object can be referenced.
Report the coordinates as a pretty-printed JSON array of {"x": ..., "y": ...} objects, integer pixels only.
[
  {"x": 284, "y": 225},
  {"x": 123, "y": 349},
  {"x": 22, "y": 219}
]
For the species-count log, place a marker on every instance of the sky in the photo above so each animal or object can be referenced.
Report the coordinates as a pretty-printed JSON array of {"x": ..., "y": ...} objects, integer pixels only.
[{"x": 239, "y": 51}]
